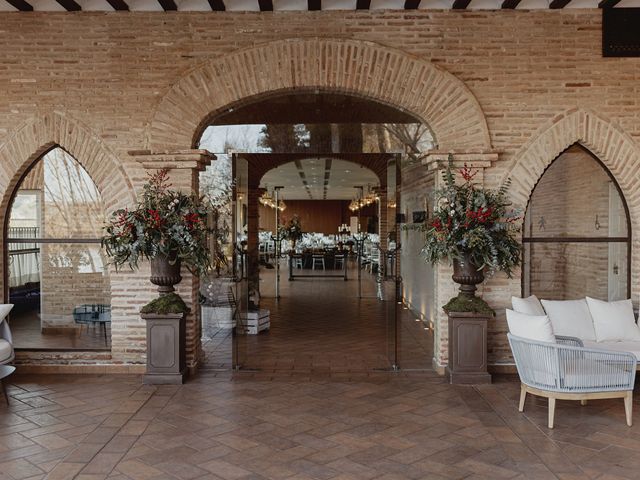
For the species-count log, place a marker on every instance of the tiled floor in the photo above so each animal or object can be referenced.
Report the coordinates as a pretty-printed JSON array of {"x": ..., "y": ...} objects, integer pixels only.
[
  {"x": 305, "y": 414},
  {"x": 320, "y": 326},
  {"x": 376, "y": 426}
]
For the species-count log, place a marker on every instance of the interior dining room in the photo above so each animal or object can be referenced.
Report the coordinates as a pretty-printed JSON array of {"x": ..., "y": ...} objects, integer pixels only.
[{"x": 312, "y": 185}]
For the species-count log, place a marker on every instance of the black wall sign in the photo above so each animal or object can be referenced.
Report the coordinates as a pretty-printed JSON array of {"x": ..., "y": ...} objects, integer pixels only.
[{"x": 621, "y": 32}]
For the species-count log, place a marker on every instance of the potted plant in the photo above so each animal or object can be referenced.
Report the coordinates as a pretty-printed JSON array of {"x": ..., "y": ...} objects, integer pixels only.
[
  {"x": 293, "y": 230},
  {"x": 166, "y": 227},
  {"x": 474, "y": 228}
]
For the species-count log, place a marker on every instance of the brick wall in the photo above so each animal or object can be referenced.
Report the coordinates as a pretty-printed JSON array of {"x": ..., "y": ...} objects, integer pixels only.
[{"x": 103, "y": 84}]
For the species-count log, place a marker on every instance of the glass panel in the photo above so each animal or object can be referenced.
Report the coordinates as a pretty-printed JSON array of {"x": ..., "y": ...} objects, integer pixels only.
[
  {"x": 57, "y": 199},
  {"x": 318, "y": 138},
  {"x": 241, "y": 261},
  {"x": 563, "y": 271},
  {"x": 575, "y": 198},
  {"x": 61, "y": 296}
]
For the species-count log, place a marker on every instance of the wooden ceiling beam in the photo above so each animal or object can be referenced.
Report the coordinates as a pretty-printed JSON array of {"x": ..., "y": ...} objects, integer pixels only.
[
  {"x": 217, "y": 5},
  {"x": 313, "y": 5},
  {"x": 21, "y": 5},
  {"x": 266, "y": 5},
  {"x": 608, "y": 3},
  {"x": 510, "y": 4},
  {"x": 411, "y": 4},
  {"x": 168, "y": 5},
  {"x": 70, "y": 5},
  {"x": 363, "y": 4},
  {"x": 460, "y": 4},
  {"x": 558, "y": 4},
  {"x": 119, "y": 5}
]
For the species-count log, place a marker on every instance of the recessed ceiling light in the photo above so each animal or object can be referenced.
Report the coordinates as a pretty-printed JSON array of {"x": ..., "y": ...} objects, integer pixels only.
[{"x": 347, "y": 171}]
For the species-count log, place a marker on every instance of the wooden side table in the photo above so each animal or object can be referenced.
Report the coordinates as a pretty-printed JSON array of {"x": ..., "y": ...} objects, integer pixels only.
[{"x": 5, "y": 371}]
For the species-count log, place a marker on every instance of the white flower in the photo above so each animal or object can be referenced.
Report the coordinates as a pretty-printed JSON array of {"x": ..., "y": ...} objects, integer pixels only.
[{"x": 452, "y": 213}]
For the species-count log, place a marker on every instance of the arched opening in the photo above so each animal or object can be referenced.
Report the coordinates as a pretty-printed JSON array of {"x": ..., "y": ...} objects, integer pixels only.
[
  {"x": 577, "y": 232},
  {"x": 333, "y": 159},
  {"x": 56, "y": 276}
]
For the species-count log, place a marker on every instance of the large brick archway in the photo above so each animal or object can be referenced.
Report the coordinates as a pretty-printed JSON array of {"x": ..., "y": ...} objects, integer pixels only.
[
  {"x": 615, "y": 148},
  {"x": 364, "y": 69}
]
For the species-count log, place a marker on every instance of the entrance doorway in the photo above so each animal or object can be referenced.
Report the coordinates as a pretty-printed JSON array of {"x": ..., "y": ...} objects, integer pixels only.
[{"x": 312, "y": 236}]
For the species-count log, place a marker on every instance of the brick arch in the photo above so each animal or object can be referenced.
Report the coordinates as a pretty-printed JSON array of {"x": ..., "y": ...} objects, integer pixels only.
[
  {"x": 39, "y": 135},
  {"x": 364, "y": 69},
  {"x": 608, "y": 142}
]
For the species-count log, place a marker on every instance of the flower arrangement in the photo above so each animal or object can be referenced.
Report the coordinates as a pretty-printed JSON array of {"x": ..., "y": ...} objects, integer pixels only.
[
  {"x": 473, "y": 223},
  {"x": 165, "y": 223},
  {"x": 293, "y": 229}
]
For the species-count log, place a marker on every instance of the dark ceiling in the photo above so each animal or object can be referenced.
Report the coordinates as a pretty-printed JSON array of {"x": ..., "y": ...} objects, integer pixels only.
[{"x": 313, "y": 108}]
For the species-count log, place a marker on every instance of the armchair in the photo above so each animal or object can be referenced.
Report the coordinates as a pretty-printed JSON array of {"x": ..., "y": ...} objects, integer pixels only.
[
  {"x": 567, "y": 371},
  {"x": 6, "y": 340}
]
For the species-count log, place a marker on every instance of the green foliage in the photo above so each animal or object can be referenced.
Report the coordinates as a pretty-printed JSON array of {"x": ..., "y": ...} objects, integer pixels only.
[
  {"x": 169, "y": 303},
  {"x": 292, "y": 230},
  {"x": 164, "y": 222},
  {"x": 463, "y": 303},
  {"x": 469, "y": 220}
]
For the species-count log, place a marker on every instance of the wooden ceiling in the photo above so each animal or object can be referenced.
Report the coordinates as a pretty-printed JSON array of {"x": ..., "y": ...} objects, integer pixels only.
[{"x": 305, "y": 5}]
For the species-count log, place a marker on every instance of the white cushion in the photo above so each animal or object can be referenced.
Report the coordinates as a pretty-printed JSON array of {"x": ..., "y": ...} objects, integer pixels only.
[
  {"x": 570, "y": 318},
  {"x": 531, "y": 327},
  {"x": 630, "y": 347},
  {"x": 613, "y": 320},
  {"x": 5, "y": 308},
  {"x": 530, "y": 305},
  {"x": 6, "y": 350}
]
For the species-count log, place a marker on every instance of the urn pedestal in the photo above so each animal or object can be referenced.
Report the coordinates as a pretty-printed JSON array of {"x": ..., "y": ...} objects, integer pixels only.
[
  {"x": 166, "y": 352},
  {"x": 467, "y": 348}
]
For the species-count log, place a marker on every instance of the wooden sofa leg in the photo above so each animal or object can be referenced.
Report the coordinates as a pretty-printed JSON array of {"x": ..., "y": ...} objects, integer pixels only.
[
  {"x": 552, "y": 411},
  {"x": 583, "y": 402},
  {"x": 523, "y": 397},
  {"x": 628, "y": 407}
]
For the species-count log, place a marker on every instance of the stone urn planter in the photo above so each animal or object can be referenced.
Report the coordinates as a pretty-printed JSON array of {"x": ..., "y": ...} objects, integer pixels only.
[
  {"x": 165, "y": 273},
  {"x": 467, "y": 275}
]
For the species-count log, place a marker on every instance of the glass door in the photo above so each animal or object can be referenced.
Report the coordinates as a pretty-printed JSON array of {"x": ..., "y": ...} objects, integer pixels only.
[
  {"x": 389, "y": 271},
  {"x": 240, "y": 170}
]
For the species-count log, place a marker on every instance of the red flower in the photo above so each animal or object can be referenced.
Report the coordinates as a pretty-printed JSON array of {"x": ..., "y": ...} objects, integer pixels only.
[
  {"x": 192, "y": 219},
  {"x": 154, "y": 216},
  {"x": 467, "y": 174}
]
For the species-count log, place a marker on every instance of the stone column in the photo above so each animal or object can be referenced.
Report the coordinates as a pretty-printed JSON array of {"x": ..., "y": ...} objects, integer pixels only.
[{"x": 184, "y": 168}]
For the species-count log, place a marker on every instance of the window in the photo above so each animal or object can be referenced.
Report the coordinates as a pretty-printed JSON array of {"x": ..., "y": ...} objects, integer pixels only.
[
  {"x": 576, "y": 232},
  {"x": 58, "y": 280}
]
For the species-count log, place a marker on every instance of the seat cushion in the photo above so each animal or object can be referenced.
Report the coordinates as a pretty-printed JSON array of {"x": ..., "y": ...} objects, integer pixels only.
[
  {"x": 613, "y": 321},
  {"x": 570, "y": 318},
  {"x": 531, "y": 327},
  {"x": 631, "y": 347},
  {"x": 530, "y": 305},
  {"x": 6, "y": 350},
  {"x": 579, "y": 375}
]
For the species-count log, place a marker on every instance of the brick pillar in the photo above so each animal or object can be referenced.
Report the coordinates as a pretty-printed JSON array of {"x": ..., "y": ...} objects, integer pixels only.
[
  {"x": 435, "y": 162},
  {"x": 184, "y": 171},
  {"x": 253, "y": 259}
]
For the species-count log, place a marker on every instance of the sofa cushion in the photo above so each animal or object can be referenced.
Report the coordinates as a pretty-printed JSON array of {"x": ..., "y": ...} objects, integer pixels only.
[
  {"x": 531, "y": 327},
  {"x": 6, "y": 350},
  {"x": 613, "y": 320},
  {"x": 579, "y": 376},
  {"x": 530, "y": 305},
  {"x": 570, "y": 318},
  {"x": 630, "y": 347},
  {"x": 5, "y": 308}
]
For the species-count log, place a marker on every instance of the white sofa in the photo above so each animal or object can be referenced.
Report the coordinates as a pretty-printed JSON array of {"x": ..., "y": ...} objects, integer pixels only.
[{"x": 601, "y": 325}]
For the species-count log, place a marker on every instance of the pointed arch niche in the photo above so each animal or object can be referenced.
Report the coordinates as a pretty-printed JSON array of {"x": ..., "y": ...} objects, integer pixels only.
[
  {"x": 577, "y": 232},
  {"x": 57, "y": 276}
]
